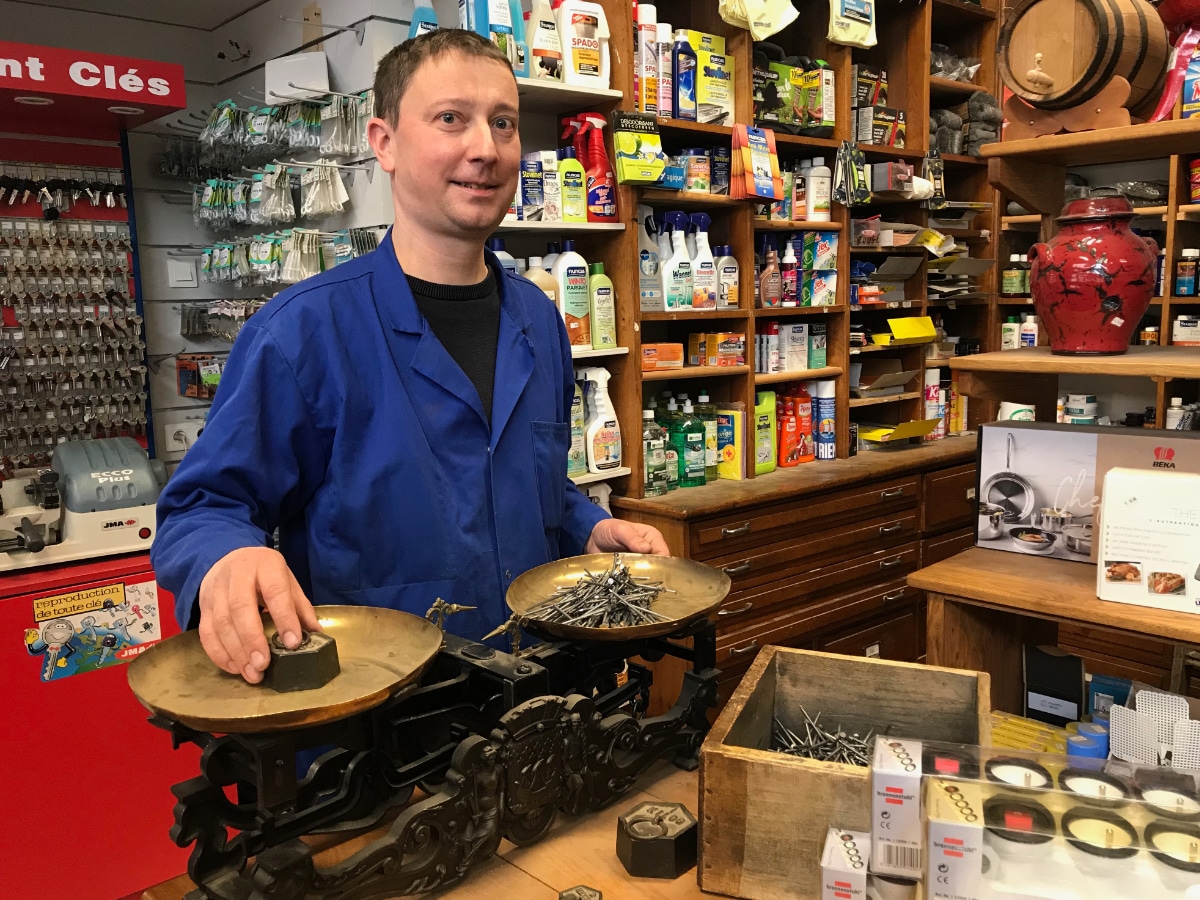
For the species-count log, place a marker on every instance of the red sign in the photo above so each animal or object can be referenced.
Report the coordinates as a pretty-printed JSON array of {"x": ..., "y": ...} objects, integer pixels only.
[{"x": 50, "y": 70}]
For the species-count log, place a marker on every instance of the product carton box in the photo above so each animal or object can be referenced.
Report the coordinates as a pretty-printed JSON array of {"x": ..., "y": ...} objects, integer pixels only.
[
  {"x": 819, "y": 288},
  {"x": 818, "y": 344},
  {"x": 868, "y": 86},
  {"x": 896, "y": 833},
  {"x": 1191, "y": 89},
  {"x": 661, "y": 356},
  {"x": 714, "y": 87},
  {"x": 703, "y": 42},
  {"x": 776, "y": 94},
  {"x": 697, "y": 350},
  {"x": 820, "y": 250},
  {"x": 815, "y": 98},
  {"x": 1048, "y": 479},
  {"x": 731, "y": 444},
  {"x": 637, "y": 147},
  {"x": 532, "y": 198},
  {"x": 882, "y": 126},
  {"x": 757, "y": 839},
  {"x": 1185, "y": 331},
  {"x": 955, "y": 864},
  {"x": 1149, "y": 547},
  {"x": 844, "y": 865},
  {"x": 793, "y": 339}
]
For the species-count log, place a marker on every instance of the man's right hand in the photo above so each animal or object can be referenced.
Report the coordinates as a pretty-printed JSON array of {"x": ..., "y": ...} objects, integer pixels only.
[{"x": 231, "y": 594}]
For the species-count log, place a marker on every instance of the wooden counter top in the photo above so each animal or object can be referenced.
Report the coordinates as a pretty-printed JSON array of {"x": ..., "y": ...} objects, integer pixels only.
[
  {"x": 578, "y": 851},
  {"x": 1047, "y": 588},
  {"x": 810, "y": 478}
]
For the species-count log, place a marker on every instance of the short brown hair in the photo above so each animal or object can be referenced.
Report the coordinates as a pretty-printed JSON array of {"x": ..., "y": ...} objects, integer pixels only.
[{"x": 398, "y": 66}]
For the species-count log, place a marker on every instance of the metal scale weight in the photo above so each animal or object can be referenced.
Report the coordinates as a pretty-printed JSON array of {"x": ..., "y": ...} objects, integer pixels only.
[{"x": 498, "y": 743}]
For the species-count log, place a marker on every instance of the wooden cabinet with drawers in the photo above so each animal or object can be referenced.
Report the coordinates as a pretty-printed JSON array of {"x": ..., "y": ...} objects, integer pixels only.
[{"x": 822, "y": 560}]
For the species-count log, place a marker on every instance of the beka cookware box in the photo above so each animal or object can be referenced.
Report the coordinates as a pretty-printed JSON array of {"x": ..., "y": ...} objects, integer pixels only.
[{"x": 1040, "y": 484}]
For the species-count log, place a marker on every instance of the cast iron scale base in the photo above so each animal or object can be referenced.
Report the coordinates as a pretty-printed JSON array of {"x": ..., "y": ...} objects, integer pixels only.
[{"x": 498, "y": 743}]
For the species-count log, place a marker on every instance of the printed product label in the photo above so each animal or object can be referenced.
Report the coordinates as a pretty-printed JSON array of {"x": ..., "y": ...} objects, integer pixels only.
[
  {"x": 672, "y": 455},
  {"x": 693, "y": 454},
  {"x": 679, "y": 287},
  {"x": 547, "y": 51},
  {"x": 574, "y": 196},
  {"x": 685, "y": 79},
  {"x": 606, "y": 446},
  {"x": 575, "y": 305},
  {"x": 577, "y": 455},
  {"x": 585, "y": 45},
  {"x": 604, "y": 329},
  {"x": 93, "y": 628},
  {"x": 729, "y": 286},
  {"x": 649, "y": 282},
  {"x": 710, "y": 444},
  {"x": 764, "y": 448},
  {"x": 551, "y": 198},
  {"x": 859, "y": 10},
  {"x": 704, "y": 286}
]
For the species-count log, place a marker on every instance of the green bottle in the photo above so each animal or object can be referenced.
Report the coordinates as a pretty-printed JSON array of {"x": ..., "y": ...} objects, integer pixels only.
[
  {"x": 706, "y": 412},
  {"x": 654, "y": 456},
  {"x": 687, "y": 434},
  {"x": 666, "y": 418}
]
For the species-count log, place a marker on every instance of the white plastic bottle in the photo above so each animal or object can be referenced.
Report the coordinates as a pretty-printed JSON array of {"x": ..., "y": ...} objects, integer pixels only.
[
  {"x": 728, "y": 273},
  {"x": 649, "y": 279},
  {"x": 545, "y": 43},
  {"x": 553, "y": 251},
  {"x": 496, "y": 245},
  {"x": 583, "y": 29},
  {"x": 666, "y": 71},
  {"x": 1010, "y": 334},
  {"x": 603, "y": 308},
  {"x": 1029, "y": 331},
  {"x": 704, "y": 266},
  {"x": 571, "y": 276},
  {"x": 818, "y": 189},
  {"x": 603, "y": 433},
  {"x": 677, "y": 269}
]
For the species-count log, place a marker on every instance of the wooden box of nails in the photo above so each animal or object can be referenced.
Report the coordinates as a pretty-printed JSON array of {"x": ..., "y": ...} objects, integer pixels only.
[{"x": 766, "y": 804}]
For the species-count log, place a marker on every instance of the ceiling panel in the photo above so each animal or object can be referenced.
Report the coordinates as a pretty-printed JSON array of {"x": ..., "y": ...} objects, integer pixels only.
[{"x": 206, "y": 15}]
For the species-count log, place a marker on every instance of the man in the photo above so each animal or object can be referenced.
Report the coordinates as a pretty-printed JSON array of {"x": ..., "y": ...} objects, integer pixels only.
[{"x": 402, "y": 419}]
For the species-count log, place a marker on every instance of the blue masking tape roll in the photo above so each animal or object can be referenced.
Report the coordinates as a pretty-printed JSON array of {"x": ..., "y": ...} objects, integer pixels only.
[
  {"x": 1094, "y": 729},
  {"x": 1080, "y": 745}
]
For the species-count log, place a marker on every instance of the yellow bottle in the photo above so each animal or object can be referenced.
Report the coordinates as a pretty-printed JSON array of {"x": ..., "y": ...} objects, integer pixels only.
[
  {"x": 604, "y": 309},
  {"x": 572, "y": 187}
]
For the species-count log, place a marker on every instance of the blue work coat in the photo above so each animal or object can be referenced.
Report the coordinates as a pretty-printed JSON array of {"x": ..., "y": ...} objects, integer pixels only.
[{"x": 343, "y": 421}]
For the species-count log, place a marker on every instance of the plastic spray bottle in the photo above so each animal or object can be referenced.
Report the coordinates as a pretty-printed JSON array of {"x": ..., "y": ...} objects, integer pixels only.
[
  {"x": 545, "y": 43},
  {"x": 683, "y": 62},
  {"x": 677, "y": 270},
  {"x": 789, "y": 272},
  {"x": 687, "y": 434},
  {"x": 704, "y": 267},
  {"x": 706, "y": 412},
  {"x": 603, "y": 309},
  {"x": 424, "y": 19},
  {"x": 601, "y": 183},
  {"x": 603, "y": 434},
  {"x": 571, "y": 276},
  {"x": 573, "y": 186},
  {"x": 649, "y": 279},
  {"x": 727, "y": 278},
  {"x": 654, "y": 456}
]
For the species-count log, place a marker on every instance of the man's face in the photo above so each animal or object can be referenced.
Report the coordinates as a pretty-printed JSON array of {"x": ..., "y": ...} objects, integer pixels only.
[{"x": 455, "y": 152}]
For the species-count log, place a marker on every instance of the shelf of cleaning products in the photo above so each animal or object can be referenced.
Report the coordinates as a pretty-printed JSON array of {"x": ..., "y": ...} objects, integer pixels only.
[
  {"x": 589, "y": 353},
  {"x": 697, "y": 127},
  {"x": 675, "y": 315},
  {"x": 856, "y": 402},
  {"x": 602, "y": 476},
  {"x": 571, "y": 227},
  {"x": 797, "y": 375},
  {"x": 768, "y": 311},
  {"x": 555, "y": 97},
  {"x": 797, "y": 225},
  {"x": 694, "y": 372},
  {"x": 688, "y": 199}
]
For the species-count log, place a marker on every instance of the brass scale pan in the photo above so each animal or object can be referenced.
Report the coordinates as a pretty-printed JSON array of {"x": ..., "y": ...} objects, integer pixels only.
[{"x": 382, "y": 650}]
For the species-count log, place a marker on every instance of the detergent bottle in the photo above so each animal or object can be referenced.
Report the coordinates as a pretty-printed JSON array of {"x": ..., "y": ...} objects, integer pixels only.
[
  {"x": 601, "y": 183},
  {"x": 704, "y": 268},
  {"x": 683, "y": 61},
  {"x": 571, "y": 275},
  {"x": 789, "y": 276},
  {"x": 577, "y": 455},
  {"x": 573, "y": 186},
  {"x": 806, "y": 443},
  {"x": 553, "y": 251},
  {"x": 727, "y": 278},
  {"x": 424, "y": 19},
  {"x": 494, "y": 20},
  {"x": 677, "y": 270},
  {"x": 687, "y": 434},
  {"x": 603, "y": 308},
  {"x": 496, "y": 245},
  {"x": 649, "y": 279},
  {"x": 583, "y": 30},
  {"x": 603, "y": 434},
  {"x": 545, "y": 44},
  {"x": 538, "y": 275}
]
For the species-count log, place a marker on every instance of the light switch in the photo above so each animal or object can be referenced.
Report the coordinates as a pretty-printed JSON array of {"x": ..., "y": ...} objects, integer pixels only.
[{"x": 181, "y": 272}]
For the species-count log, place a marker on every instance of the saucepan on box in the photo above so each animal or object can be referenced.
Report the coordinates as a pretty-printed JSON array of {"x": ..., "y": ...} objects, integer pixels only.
[
  {"x": 991, "y": 521},
  {"x": 1078, "y": 539},
  {"x": 1053, "y": 520}
]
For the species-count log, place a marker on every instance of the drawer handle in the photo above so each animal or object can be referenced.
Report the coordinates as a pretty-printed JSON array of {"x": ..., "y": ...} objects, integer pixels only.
[
  {"x": 891, "y": 529},
  {"x": 745, "y": 607},
  {"x": 737, "y": 570},
  {"x": 891, "y": 563},
  {"x": 892, "y": 494},
  {"x": 897, "y": 595},
  {"x": 742, "y": 651},
  {"x": 744, "y": 528}
]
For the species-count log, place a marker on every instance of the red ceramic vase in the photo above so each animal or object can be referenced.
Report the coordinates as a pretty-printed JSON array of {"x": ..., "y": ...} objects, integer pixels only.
[{"x": 1092, "y": 283}]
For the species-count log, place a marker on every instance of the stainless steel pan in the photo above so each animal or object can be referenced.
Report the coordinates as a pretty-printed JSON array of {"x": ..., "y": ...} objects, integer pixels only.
[{"x": 1009, "y": 490}]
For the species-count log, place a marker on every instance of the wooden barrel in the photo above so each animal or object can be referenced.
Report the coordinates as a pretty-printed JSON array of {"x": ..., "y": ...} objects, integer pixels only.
[{"x": 1084, "y": 44}]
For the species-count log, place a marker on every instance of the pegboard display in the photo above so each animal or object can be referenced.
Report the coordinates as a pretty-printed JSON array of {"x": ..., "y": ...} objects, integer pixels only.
[{"x": 72, "y": 351}]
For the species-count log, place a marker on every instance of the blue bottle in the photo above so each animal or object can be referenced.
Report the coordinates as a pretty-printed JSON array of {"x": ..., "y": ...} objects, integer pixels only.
[
  {"x": 683, "y": 59},
  {"x": 424, "y": 20}
]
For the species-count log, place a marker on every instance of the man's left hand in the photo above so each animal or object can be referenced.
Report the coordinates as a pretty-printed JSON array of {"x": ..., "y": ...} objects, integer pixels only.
[{"x": 615, "y": 535}]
